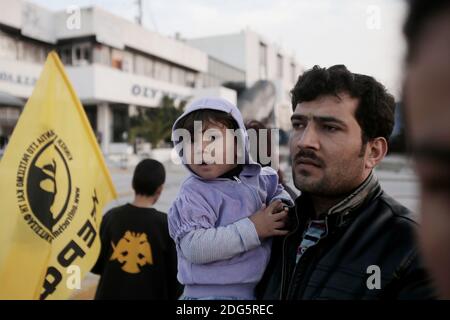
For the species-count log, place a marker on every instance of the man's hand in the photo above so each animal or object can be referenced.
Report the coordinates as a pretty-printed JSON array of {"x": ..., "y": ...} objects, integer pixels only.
[{"x": 270, "y": 220}]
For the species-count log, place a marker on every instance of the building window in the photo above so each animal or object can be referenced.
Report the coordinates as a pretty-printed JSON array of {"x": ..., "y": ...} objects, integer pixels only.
[
  {"x": 82, "y": 54},
  {"x": 78, "y": 54},
  {"x": 162, "y": 71},
  {"x": 178, "y": 76},
  {"x": 122, "y": 60},
  {"x": 7, "y": 47},
  {"x": 102, "y": 55},
  {"x": 293, "y": 72},
  {"x": 143, "y": 65},
  {"x": 279, "y": 65},
  {"x": 190, "y": 79},
  {"x": 66, "y": 56},
  {"x": 116, "y": 59},
  {"x": 91, "y": 113},
  {"x": 120, "y": 123},
  {"x": 149, "y": 67},
  {"x": 262, "y": 61},
  {"x": 127, "y": 62},
  {"x": 31, "y": 52},
  {"x": 139, "y": 65}
]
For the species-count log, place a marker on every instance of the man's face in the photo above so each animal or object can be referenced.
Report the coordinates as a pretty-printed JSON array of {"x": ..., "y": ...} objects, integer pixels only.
[
  {"x": 212, "y": 148},
  {"x": 326, "y": 146},
  {"x": 427, "y": 95}
]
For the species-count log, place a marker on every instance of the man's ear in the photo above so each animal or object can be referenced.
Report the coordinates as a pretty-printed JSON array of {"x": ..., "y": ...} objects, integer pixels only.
[{"x": 376, "y": 151}]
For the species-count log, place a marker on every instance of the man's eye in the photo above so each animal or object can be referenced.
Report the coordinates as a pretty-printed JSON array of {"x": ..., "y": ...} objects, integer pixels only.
[
  {"x": 330, "y": 128},
  {"x": 298, "y": 125}
]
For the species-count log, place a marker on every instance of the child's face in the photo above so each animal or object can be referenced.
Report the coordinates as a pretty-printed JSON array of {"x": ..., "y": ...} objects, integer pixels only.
[{"x": 212, "y": 152}]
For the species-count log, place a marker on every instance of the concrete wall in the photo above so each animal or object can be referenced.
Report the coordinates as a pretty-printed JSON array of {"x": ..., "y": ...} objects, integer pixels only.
[
  {"x": 18, "y": 78},
  {"x": 227, "y": 48},
  {"x": 11, "y": 13},
  {"x": 252, "y": 58},
  {"x": 92, "y": 83},
  {"x": 217, "y": 92},
  {"x": 38, "y": 23},
  {"x": 97, "y": 82},
  {"x": 32, "y": 20},
  {"x": 242, "y": 51}
]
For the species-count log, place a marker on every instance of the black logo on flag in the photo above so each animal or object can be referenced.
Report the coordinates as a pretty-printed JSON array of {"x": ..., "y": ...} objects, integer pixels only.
[
  {"x": 46, "y": 197},
  {"x": 48, "y": 185}
]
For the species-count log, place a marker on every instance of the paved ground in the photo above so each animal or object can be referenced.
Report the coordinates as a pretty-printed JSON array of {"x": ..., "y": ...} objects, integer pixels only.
[
  {"x": 175, "y": 174},
  {"x": 399, "y": 180},
  {"x": 395, "y": 175}
]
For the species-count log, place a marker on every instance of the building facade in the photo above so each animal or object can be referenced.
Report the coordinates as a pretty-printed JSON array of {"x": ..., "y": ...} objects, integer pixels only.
[
  {"x": 263, "y": 63},
  {"x": 117, "y": 66},
  {"x": 113, "y": 64}
]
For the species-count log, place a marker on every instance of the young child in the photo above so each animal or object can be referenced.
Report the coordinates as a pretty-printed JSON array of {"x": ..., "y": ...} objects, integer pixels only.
[
  {"x": 219, "y": 220},
  {"x": 138, "y": 258}
]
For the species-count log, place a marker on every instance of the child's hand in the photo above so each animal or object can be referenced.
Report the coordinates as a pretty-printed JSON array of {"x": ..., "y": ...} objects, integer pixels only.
[
  {"x": 281, "y": 206},
  {"x": 270, "y": 220}
]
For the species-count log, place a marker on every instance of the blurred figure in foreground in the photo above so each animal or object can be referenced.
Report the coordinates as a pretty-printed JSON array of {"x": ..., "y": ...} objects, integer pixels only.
[{"x": 427, "y": 97}]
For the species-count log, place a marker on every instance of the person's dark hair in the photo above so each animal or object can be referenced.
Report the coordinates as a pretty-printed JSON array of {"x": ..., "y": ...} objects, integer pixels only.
[
  {"x": 258, "y": 125},
  {"x": 206, "y": 116},
  {"x": 419, "y": 15},
  {"x": 148, "y": 176},
  {"x": 375, "y": 112}
]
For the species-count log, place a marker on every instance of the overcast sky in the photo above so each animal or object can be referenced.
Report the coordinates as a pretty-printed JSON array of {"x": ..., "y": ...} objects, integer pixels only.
[{"x": 365, "y": 35}]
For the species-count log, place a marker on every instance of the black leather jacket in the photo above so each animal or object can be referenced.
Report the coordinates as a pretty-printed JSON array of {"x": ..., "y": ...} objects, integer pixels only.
[{"x": 372, "y": 231}]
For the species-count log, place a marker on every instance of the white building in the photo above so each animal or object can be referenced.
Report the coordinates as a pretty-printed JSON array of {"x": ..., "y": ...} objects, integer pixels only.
[
  {"x": 117, "y": 66},
  {"x": 114, "y": 65},
  {"x": 259, "y": 59}
]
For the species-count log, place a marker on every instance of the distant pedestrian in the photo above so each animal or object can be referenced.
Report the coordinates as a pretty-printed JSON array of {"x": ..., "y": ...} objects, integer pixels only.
[
  {"x": 258, "y": 126},
  {"x": 138, "y": 258}
]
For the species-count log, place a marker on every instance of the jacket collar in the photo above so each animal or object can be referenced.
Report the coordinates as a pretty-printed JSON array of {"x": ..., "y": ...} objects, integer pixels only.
[{"x": 368, "y": 190}]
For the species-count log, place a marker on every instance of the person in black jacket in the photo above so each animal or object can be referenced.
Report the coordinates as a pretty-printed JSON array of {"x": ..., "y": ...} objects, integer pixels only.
[
  {"x": 260, "y": 130},
  {"x": 138, "y": 257},
  {"x": 427, "y": 102},
  {"x": 348, "y": 239}
]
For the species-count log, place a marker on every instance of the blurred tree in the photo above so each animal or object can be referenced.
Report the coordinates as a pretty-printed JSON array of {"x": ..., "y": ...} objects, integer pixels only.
[{"x": 155, "y": 124}]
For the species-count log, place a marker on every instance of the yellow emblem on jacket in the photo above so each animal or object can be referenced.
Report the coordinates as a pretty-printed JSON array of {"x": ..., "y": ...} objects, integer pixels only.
[{"x": 133, "y": 250}]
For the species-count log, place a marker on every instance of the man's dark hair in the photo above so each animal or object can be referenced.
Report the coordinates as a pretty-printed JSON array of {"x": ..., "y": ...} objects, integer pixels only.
[
  {"x": 375, "y": 112},
  {"x": 148, "y": 176},
  {"x": 206, "y": 116},
  {"x": 419, "y": 15}
]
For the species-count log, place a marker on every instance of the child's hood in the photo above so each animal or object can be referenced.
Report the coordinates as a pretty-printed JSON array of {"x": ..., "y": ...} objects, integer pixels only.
[{"x": 220, "y": 105}]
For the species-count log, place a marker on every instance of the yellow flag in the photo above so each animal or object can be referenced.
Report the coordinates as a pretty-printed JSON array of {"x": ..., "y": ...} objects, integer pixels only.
[{"x": 53, "y": 186}]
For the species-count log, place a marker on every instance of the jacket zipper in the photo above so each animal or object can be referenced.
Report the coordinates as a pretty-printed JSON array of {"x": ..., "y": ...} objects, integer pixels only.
[
  {"x": 251, "y": 190},
  {"x": 302, "y": 263},
  {"x": 317, "y": 252}
]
